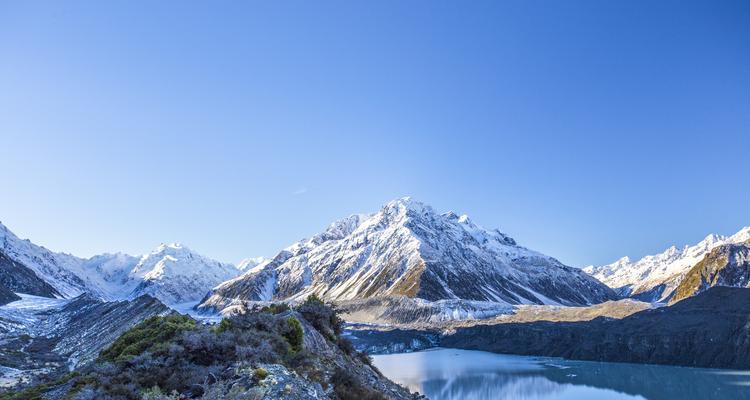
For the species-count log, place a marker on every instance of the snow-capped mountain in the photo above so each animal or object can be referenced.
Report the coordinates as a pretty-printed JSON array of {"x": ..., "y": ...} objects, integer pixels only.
[
  {"x": 175, "y": 274},
  {"x": 251, "y": 262},
  {"x": 409, "y": 249},
  {"x": 725, "y": 265},
  {"x": 655, "y": 277},
  {"x": 62, "y": 271},
  {"x": 172, "y": 273}
]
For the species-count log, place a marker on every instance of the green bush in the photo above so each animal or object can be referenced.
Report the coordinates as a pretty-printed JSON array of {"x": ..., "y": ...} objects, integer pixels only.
[
  {"x": 275, "y": 308},
  {"x": 151, "y": 335},
  {"x": 294, "y": 335},
  {"x": 313, "y": 299},
  {"x": 323, "y": 317},
  {"x": 224, "y": 325},
  {"x": 259, "y": 374},
  {"x": 346, "y": 386},
  {"x": 36, "y": 392}
]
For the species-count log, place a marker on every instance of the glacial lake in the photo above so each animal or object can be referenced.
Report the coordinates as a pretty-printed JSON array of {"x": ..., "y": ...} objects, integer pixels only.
[{"x": 450, "y": 374}]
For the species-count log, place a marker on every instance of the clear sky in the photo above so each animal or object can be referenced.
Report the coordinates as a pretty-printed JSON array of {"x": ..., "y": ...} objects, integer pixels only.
[{"x": 587, "y": 130}]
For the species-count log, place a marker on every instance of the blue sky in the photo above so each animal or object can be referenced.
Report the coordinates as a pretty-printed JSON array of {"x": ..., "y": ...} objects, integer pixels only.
[{"x": 587, "y": 130}]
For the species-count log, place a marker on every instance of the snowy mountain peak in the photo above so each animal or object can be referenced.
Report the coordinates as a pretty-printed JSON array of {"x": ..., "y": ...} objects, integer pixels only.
[
  {"x": 405, "y": 207},
  {"x": 175, "y": 274},
  {"x": 171, "y": 272},
  {"x": 170, "y": 248},
  {"x": 741, "y": 236},
  {"x": 61, "y": 271},
  {"x": 464, "y": 219},
  {"x": 655, "y": 277},
  {"x": 176, "y": 259},
  {"x": 408, "y": 249},
  {"x": 250, "y": 263}
]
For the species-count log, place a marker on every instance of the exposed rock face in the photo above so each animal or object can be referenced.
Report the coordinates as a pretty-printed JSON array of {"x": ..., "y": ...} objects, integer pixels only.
[
  {"x": 7, "y": 295},
  {"x": 654, "y": 278},
  {"x": 280, "y": 384},
  {"x": 16, "y": 277},
  {"x": 408, "y": 249},
  {"x": 726, "y": 265},
  {"x": 711, "y": 329}
]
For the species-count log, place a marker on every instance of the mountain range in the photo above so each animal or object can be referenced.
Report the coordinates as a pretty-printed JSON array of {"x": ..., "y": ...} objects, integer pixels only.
[
  {"x": 404, "y": 250},
  {"x": 654, "y": 278},
  {"x": 172, "y": 272}
]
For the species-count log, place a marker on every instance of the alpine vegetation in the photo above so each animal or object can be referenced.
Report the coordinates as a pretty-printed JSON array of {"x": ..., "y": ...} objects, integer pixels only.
[{"x": 270, "y": 353}]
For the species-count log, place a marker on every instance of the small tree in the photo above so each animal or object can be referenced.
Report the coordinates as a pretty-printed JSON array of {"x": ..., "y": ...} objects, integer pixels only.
[
  {"x": 295, "y": 334},
  {"x": 313, "y": 299}
]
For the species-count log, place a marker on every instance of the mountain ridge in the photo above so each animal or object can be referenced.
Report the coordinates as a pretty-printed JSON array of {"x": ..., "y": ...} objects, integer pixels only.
[
  {"x": 171, "y": 272},
  {"x": 655, "y": 277}
]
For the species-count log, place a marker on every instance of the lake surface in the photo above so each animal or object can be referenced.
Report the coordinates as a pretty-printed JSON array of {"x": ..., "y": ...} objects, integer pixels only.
[{"x": 450, "y": 374}]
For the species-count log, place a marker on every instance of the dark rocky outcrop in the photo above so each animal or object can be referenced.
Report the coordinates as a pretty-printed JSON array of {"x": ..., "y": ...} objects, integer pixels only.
[
  {"x": 7, "y": 295},
  {"x": 711, "y": 329},
  {"x": 726, "y": 265},
  {"x": 21, "y": 279}
]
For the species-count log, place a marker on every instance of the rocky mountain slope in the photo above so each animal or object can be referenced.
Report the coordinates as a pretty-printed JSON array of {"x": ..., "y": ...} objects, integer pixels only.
[
  {"x": 655, "y": 277},
  {"x": 61, "y": 271},
  {"x": 408, "y": 249},
  {"x": 711, "y": 329},
  {"x": 50, "y": 336},
  {"x": 726, "y": 265},
  {"x": 275, "y": 353},
  {"x": 171, "y": 272},
  {"x": 18, "y": 278}
]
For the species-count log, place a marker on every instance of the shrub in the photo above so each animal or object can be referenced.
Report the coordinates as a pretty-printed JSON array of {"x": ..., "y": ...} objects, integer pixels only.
[
  {"x": 275, "y": 308},
  {"x": 150, "y": 335},
  {"x": 294, "y": 335},
  {"x": 347, "y": 387},
  {"x": 36, "y": 392},
  {"x": 313, "y": 299},
  {"x": 346, "y": 345},
  {"x": 259, "y": 374},
  {"x": 367, "y": 360},
  {"x": 224, "y": 325},
  {"x": 322, "y": 317}
]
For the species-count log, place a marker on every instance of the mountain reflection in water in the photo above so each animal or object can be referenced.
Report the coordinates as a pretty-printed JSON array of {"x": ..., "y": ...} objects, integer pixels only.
[{"x": 451, "y": 374}]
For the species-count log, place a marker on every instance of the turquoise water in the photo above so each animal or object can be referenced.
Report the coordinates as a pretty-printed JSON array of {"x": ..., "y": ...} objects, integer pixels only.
[{"x": 449, "y": 374}]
